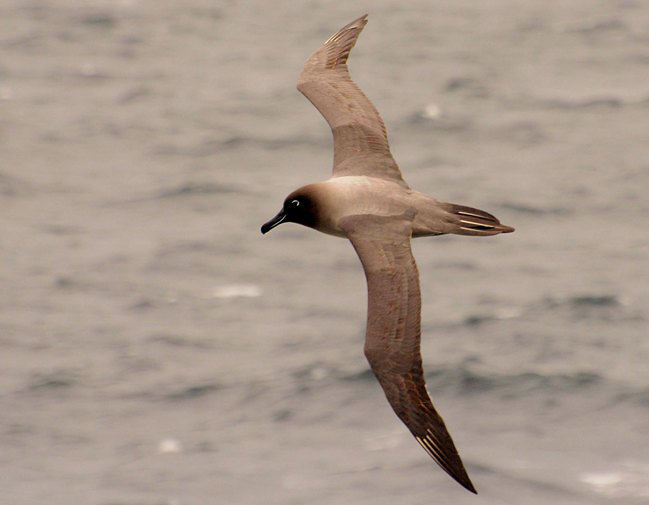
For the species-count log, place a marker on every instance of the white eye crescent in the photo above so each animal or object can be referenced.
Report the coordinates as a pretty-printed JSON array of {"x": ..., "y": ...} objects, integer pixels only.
[{"x": 295, "y": 202}]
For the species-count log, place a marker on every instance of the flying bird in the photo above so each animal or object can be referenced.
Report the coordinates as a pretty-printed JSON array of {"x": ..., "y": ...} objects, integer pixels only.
[{"x": 367, "y": 201}]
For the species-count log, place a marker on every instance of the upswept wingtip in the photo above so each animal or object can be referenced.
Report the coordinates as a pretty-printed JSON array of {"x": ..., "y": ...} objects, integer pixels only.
[{"x": 357, "y": 24}]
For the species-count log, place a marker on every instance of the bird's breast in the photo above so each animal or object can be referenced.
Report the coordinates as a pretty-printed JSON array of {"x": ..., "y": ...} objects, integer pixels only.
[{"x": 352, "y": 195}]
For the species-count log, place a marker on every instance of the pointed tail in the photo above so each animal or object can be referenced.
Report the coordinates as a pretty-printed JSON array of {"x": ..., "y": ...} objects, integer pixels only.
[{"x": 470, "y": 221}]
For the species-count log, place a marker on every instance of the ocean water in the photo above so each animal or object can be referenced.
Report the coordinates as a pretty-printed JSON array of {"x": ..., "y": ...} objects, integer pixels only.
[{"x": 156, "y": 349}]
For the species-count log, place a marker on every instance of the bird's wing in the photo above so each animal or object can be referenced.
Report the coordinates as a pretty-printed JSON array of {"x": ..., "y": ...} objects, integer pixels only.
[
  {"x": 393, "y": 331},
  {"x": 360, "y": 139}
]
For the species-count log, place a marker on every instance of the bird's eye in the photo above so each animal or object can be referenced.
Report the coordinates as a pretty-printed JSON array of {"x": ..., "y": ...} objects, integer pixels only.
[{"x": 295, "y": 203}]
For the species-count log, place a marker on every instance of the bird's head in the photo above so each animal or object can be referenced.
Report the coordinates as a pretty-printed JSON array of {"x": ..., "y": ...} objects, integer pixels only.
[{"x": 301, "y": 207}]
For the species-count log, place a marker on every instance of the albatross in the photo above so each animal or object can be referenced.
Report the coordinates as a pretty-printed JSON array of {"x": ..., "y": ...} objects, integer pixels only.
[{"x": 367, "y": 201}]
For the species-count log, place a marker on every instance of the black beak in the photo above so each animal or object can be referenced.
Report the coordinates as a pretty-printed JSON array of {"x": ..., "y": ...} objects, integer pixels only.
[{"x": 278, "y": 219}]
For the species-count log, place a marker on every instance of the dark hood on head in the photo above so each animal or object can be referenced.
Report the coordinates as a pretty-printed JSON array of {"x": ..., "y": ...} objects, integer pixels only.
[{"x": 299, "y": 207}]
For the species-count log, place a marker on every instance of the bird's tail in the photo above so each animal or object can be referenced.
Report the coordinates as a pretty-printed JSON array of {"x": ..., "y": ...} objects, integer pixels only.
[{"x": 470, "y": 221}]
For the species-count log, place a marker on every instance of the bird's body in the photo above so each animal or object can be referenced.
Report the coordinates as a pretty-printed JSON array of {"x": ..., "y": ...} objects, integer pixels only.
[
  {"x": 353, "y": 195},
  {"x": 368, "y": 202}
]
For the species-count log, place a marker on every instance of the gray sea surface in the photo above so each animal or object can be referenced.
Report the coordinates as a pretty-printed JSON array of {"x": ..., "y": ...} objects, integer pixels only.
[{"x": 155, "y": 348}]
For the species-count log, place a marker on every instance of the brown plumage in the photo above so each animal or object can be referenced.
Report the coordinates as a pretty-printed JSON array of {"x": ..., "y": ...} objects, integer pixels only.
[
  {"x": 394, "y": 332},
  {"x": 360, "y": 137},
  {"x": 367, "y": 201}
]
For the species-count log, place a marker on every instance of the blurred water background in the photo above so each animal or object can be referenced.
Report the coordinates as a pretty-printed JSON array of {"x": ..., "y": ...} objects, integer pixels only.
[{"x": 156, "y": 349}]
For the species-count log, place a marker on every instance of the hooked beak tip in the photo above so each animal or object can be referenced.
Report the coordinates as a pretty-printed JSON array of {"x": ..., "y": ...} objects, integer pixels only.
[{"x": 278, "y": 219}]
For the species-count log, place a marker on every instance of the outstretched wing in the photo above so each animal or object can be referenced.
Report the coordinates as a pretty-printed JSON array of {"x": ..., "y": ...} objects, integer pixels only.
[
  {"x": 393, "y": 332},
  {"x": 360, "y": 139}
]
